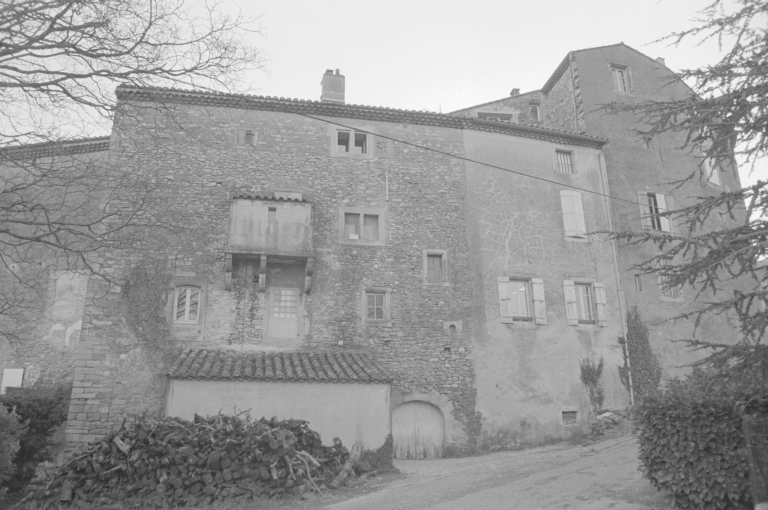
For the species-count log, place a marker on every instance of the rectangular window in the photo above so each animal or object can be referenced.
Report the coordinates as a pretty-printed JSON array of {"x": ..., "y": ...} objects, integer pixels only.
[
  {"x": 584, "y": 302},
  {"x": 376, "y": 306},
  {"x": 569, "y": 417},
  {"x": 651, "y": 205},
  {"x": 187, "y": 304},
  {"x": 564, "y": 162},
  {"x": 713, "y": 173},
  {"x": 621, "y": 82},
  {"x": 533, "y": 112},
  {"x": 665, "y": 290},
  {"x": 342, "y": 141},
  {"x": 638, "y": 283},
  {"x": 352, "y": 226},
  {"x": 246, "y": 137},
  {"x": 515, "y": 296},
  {"x": 435, "y": 268},
  {"x": 647, "y": 142},
  {"x": 574, "y": 224},
  {"x": 371, "y": 227},
  {"x": 285, "y": 303},
  {"x": 361, "y": 143}
]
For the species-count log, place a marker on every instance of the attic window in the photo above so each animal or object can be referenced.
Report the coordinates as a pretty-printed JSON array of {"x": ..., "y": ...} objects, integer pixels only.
[{"x": 533, "y": 112}]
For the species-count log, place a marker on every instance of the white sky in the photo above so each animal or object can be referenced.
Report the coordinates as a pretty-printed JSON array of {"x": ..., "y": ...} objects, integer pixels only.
[{"x": 444, "y": 55}]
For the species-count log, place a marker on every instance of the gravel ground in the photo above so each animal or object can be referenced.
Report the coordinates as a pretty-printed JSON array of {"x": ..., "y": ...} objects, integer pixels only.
[{"x": 595, "y": 477}]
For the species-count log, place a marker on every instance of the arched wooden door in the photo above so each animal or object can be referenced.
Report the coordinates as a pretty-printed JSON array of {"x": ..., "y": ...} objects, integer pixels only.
[{"x": 418, "y": 431}]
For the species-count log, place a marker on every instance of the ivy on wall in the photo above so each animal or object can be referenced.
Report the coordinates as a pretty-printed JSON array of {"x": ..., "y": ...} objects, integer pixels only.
[
  {"x": 645, "y": 367},
  {"x": 590, "y": 377}
]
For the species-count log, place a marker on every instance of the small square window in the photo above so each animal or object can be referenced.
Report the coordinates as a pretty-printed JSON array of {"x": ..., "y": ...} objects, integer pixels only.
[
  {"x": 570, "y": 417},
  {"x": 533, "y": 112},
  {"x": 186, "y": 305},
  {"x": 621, "y": 79},
  {"x": 362, "y": 226},
  {"x": 350, "y": 143},
  {"x": 246, "y": 137},
  {"x": 564, "y": 162}
]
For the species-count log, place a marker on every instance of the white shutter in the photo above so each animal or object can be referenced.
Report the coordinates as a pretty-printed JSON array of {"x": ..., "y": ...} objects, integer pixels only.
[
  {"x": 504, "y": 298},
  {"x": 571, "y": 312},
  {"x": 578, "y": 208},
  {"x": 539, "y": 306},
  {"x": 645, "y": 210},
  {"x": 713, "y": 173},
  {"x": 662, "y": 203},
  {"x": 600, "y": 304},
  {"x": 569, "y": 215},
  {"x": 12, "y": 378}
]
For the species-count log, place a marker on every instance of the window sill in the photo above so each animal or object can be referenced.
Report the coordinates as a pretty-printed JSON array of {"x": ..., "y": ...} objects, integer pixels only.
[
  {"x": 527, "y": 324},
  {"x": 436, "y": 284},
  {"x": 667, "y": 299},
  {"x": 346, "y": 155},
  {"x": 361, "y": 242},
  {"x": 377, "y": 324},
  {"x": 577, "y": 239}
]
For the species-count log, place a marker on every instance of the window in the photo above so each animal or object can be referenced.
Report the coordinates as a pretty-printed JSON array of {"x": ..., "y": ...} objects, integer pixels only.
[
  {"x": 621, "y": 81},
  {"x": 362, "y": 226},
  {"x": 246, "y": 137},
  {"x": 651, "y": 205},
  {"x": 533, "y": 112},
  {"x": 713, "y": 172},
  {"x": 434, "y": 267},
  {"x": 564, "y": 162},
  {"x": 272, "y": 214},
  {"x": 647, "y": 142},
  {"x": 186, "y": 305},
  {"x": 638, "y": 283},
  {"x": 522, "y": 300},
  {"x": 570, "y": 417},
  {"x": 376, "y": 306},
  {"x": 12, "y": 378},
  {"x": 573, "y": 214},
  {"x": 285, "y": 303},
  {"x": 665, "y": 290},
  {"x": 350, "y": 143},
  {"x": 585, "y": 302}
]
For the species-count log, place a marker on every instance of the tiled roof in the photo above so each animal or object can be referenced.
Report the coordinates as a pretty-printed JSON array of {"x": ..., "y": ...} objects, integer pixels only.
[
  {"x": 348, "y": 111},
  {"x": 296, "y": 366},
  {"x": 256, "y": 196},
  {"x": 494, "y": 101},
  {"x": 46, "y": 149}
]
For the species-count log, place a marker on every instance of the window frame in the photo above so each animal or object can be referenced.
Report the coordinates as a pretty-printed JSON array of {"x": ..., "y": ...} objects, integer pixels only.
[
  {"x": 575, "y": 421},
  {"x": 362, "y": 212},
  {"x": 571, "y": 159},
  {"x": 713, "y": 170},
  {"x": 386, "y": 292},
  {"x": 592, "y": 305},
  {"x": 241, "y": 137},
  {"x": 660, "y": 279},
  {"x": 621, "y": 74},
  {"x": 598, "y": 301},
  {"x": 443, "y": 254},
  {"x": 535, "y": 301},
  {"x": 537, "y": 106},
  {"x": 353, "y": 132},
  {"x": 187, "y": 287},
  {"x": 649, "y": 218}
]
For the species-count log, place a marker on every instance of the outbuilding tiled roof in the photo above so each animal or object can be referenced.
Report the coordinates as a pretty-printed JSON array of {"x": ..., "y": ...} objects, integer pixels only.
[
  {"x": 349, "y": 111},
  {"x": 295, "y": 366},
  {"x": 48, "y": 149},
  {"x": 257, "y": 196}
]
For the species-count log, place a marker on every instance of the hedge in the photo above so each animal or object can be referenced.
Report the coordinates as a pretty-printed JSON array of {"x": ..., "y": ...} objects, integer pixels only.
[{"x": 695, "y": 448}]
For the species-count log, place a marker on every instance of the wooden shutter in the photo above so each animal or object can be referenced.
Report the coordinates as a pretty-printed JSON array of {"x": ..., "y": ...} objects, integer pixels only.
[
  {"x": 571, "y": 311},
  {"x": 664, "y": 221},
  {"x": 567, "y": 204},
  {"x": 600, "y": 304},
  {"x": 504, "y": 298},
  {"x": 645, "y": 210},
  {"x": 539, "y": 306},
  {"x": 578, "y": 208}
]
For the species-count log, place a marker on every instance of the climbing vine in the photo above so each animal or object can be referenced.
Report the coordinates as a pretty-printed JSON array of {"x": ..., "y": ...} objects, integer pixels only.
[
  {"x": 645, "y": 367},
  {"x": 590, "y": 376}
]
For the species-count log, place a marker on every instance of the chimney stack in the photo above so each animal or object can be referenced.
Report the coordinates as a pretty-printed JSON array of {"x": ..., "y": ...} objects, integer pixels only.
[
  {"x": 332, "y": 87},
  {"x": 515, "y": 92},
  {"x": 660, "y": 60}
]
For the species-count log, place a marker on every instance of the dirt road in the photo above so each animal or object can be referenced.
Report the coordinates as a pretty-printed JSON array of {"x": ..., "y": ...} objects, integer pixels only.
[{"x": 599, "y": 477}]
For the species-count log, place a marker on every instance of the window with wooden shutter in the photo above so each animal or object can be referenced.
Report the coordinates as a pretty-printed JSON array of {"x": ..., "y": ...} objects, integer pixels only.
[
  {"x": 573, "y": 214},
  {"x": 665, "y": 290},
  {"x": 434, "y": 267},
  {"x": 584, "y": 302},
  {"x": 539, "y": 304},
  {"x": 651, "y": 206},
  {"x": 571, "y": 309},
  {"x": 514, "y": 299},
  {"x": 621, "y": 82}
]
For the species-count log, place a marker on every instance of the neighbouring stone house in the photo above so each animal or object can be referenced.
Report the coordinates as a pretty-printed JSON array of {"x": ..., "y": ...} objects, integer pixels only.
[{"x": 377, "y": 270}]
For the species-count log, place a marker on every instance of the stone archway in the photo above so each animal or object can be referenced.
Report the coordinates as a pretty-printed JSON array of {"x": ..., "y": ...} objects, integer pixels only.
[{"x": 418, "y": 430}]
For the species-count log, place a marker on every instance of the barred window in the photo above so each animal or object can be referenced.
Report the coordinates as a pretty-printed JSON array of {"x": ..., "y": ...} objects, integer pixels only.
[
  {"x": 186, "y": 304},
  {"x": 564, "y": 162}
]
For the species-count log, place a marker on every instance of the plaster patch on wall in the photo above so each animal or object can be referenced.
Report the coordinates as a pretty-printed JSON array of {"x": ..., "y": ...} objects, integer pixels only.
[{"x": 67, "y": 310}]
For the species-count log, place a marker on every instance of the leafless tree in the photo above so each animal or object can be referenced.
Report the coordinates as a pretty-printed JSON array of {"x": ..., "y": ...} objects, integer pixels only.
[
  {"x": 723, "y": 122},
  {"x": 60, "y": 62}
]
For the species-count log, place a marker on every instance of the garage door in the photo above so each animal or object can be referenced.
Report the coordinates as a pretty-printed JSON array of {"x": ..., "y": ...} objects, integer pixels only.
[{"x": 418, "y": 431}]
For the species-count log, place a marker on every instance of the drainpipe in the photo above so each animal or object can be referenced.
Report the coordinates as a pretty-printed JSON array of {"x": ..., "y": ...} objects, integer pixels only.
[{"x": 616, "y": 274}]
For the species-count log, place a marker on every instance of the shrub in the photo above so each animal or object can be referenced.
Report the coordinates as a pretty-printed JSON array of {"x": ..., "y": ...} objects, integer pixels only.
[
  {"x": 646, "y": 369},
  {"x": 10, "y": 431},
  {"x": 40, "y": 412},
  {"x": 691, "y": 438}
]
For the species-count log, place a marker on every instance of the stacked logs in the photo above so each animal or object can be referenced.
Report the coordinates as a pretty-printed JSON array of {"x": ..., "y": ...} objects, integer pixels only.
[{"x": 172, "y": 462}]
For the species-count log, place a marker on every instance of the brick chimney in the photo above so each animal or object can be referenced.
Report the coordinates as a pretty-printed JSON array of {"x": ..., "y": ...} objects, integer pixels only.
[
  {"x": 661, "y": 60},
  {"x": 332, "y": 87},
  {"x": 515, "y": 92}
]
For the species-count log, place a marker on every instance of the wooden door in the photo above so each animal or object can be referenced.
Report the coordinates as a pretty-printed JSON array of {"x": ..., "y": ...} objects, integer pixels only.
[{"x": 418, "y": 431}]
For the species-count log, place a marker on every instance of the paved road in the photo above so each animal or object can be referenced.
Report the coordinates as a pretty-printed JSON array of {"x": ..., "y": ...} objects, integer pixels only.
[{"x": 555, "y": 477}]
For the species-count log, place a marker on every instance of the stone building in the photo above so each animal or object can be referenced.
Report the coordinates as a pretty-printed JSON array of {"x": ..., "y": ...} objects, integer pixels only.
[{"x": 377, "y": 270}]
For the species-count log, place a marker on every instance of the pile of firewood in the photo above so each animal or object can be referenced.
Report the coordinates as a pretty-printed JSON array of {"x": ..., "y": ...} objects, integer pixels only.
[{"x": 173, "y": 462}]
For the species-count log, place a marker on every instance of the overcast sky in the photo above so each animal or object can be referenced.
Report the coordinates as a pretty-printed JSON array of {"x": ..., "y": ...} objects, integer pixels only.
[{"x": 443, "y": 55}]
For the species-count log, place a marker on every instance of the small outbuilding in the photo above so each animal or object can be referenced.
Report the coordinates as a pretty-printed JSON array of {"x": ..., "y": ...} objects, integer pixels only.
[{"x": 341, "y": 394}]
